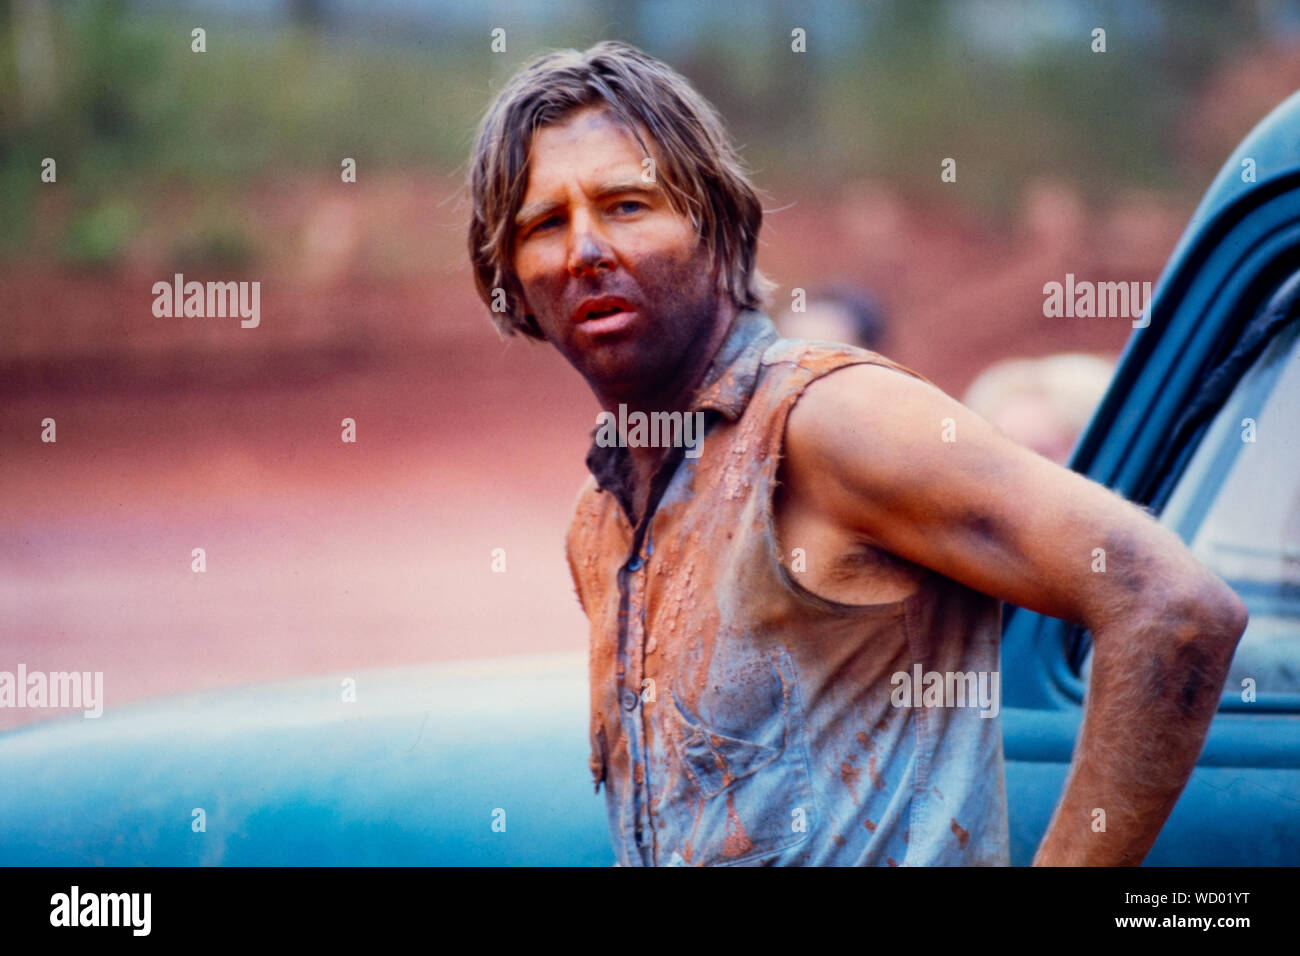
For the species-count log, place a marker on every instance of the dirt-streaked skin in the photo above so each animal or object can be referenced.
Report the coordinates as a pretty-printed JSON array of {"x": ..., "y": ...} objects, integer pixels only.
[
  {"x": 578, "y": 237},
  {"x": 875, "y": 496},
  {"x": 1008, "y": 522}
]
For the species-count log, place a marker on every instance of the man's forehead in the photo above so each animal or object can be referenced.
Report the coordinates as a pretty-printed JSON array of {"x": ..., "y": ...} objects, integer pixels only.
[
  {"x": 579, "y": 125},
  {"x": 560, "y": 148}
]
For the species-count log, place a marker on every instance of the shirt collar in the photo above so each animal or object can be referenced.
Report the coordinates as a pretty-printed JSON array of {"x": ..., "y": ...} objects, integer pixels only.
[
  {"x": 729, "y": 383},
  {"x": 727, "y": 388}
]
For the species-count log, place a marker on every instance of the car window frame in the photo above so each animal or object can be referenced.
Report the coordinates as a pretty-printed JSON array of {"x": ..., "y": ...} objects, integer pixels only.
[{"x": 1077, "y": 639}]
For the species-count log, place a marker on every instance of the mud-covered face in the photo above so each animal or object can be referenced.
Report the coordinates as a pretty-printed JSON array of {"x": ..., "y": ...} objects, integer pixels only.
[{"x": 617, "y": 280}]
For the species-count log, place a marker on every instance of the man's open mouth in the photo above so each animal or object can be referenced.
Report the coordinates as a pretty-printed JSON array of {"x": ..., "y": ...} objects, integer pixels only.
[
  {"x": 602, "y": 319},
  {"x": 605, "y": 315},
  {"x": 600, "y": 306}
]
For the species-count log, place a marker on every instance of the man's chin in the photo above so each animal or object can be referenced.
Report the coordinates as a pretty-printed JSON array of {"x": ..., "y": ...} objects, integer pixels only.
[{"x": 622, "y": 377}]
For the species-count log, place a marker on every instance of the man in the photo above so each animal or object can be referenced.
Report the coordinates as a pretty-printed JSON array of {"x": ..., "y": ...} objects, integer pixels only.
[{"x": 758, "y": 602}]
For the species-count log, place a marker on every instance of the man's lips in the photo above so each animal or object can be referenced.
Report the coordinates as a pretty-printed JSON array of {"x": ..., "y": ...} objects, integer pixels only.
[
  {"x": 608, "y": 324},
  {"x": 604, "y": 315}
]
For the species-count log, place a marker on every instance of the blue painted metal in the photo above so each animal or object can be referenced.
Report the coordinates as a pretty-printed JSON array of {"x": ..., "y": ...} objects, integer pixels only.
[{"x": 287, "y": 773}]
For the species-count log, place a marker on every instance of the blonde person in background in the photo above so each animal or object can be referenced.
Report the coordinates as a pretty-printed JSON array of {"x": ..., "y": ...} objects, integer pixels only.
[{"x": 1042, "y": 403}]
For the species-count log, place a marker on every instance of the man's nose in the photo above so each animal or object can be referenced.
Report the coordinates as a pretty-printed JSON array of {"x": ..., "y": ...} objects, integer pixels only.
[{"x": 589, "y": 253}]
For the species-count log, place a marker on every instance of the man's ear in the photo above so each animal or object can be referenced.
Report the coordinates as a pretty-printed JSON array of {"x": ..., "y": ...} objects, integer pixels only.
[
  {"x": 530, "y": 320},
  {"x": 521, "y": 309}
]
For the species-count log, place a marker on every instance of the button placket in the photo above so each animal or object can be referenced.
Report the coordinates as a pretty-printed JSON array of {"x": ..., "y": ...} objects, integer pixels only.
[
  {"x": 643, "y": 583},
  {"x": 632, "y": 577},
  {"x": 635, "y": 716}
]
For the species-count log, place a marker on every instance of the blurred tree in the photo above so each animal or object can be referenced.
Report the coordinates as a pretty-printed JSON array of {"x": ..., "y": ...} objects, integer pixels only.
[{"x": 32, "y": 23}]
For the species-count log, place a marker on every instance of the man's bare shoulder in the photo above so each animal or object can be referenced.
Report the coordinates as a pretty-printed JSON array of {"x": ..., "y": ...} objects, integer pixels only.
[{"x": 900, "y": 416}]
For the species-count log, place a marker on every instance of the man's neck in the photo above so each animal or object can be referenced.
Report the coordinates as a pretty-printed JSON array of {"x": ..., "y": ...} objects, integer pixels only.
[{"x": 674, "y": 395}]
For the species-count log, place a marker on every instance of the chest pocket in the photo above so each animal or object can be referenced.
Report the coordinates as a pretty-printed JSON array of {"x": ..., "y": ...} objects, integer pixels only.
[{"x": 746, "y": 788}]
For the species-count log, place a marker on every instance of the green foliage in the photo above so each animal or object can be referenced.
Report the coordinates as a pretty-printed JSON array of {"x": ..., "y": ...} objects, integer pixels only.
[
  {"x": 214, "y": 243},
  {"x": 136, "y": 112},
  {"x": 99, "y": 237}
]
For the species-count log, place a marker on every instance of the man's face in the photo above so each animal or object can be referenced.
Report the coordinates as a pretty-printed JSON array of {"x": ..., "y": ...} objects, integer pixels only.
[{"x": 617, "y": 280}]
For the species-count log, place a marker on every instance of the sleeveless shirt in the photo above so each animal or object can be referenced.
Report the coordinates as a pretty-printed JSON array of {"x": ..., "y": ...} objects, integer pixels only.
[{"x": 736, "y": 716}]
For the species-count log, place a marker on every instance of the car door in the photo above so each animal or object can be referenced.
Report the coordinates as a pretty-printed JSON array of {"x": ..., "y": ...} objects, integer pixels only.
[{"x": 1202, "y": 426}]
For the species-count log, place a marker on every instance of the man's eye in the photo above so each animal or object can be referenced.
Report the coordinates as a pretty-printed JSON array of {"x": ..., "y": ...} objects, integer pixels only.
[
  {"x": 545, "y": 224},
  {"x": 630, "y": 205}
]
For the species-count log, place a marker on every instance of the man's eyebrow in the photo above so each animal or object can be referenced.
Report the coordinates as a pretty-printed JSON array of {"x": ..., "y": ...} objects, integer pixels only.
[
  {"x": 538, "y": 210},
  {"x": 535, "y": 210},
  {"x": 622, "y": 186}
]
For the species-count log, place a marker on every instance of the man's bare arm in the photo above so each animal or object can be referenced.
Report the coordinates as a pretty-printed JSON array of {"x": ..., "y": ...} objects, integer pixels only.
[{"x": 865, "y": 447}]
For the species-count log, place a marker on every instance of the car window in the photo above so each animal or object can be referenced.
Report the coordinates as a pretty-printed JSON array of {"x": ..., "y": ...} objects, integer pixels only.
[{"x": 1237, "y": 504}]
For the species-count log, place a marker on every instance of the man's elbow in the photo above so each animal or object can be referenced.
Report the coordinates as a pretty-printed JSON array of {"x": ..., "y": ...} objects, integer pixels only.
[
  {"x": 1224, "y": 615},
  {"x": 1189, "y": 637},
  {"x": 1210, "y": 615},
  {"x": 1235, "y": 614}
]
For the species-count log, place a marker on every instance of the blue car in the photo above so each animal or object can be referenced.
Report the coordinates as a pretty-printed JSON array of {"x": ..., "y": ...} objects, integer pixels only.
[{"x": 485, "y": 763}]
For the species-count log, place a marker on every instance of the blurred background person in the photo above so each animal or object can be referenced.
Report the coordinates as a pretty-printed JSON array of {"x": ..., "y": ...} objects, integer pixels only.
[
  {"x": 839, "y": 313},
  {"x": 1042, "y": 403}
]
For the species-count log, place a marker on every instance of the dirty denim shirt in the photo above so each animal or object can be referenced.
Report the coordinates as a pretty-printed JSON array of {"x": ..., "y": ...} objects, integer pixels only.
[{"x": 739, "y": 718}]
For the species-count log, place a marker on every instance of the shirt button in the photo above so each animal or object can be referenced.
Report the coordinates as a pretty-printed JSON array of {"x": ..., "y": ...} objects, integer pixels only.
[
  {"x": 634, "y": 564},
  {"x": 629, "y": 700},
  {"x": 640, "y": 839}
]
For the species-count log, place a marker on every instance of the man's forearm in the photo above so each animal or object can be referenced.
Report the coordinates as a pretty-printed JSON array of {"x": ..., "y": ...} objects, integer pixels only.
[{"x": 1153, "y": 691}]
